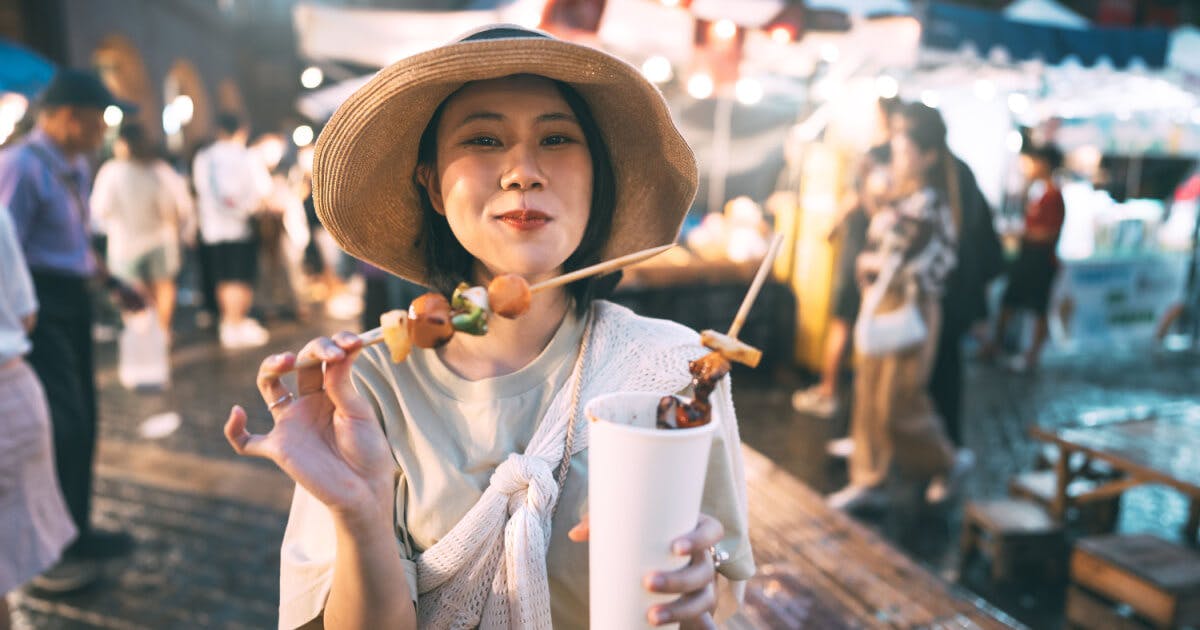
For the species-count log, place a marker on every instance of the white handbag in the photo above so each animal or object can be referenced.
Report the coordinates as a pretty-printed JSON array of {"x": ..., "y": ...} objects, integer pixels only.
[{"x": 877, "y": 333}]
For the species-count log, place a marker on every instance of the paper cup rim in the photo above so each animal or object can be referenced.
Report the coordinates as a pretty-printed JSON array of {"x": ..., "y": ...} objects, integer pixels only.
[{"x": 650, "y": 432}]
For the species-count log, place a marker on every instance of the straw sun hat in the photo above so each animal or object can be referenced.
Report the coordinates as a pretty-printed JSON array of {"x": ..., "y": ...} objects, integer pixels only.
[{"x": 365, "y": 158}]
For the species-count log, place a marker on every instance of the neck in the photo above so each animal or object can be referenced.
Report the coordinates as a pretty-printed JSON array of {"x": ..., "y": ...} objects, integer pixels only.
[
  {"x": 510, "y": 344},
  {"x": 59, "y": 141}
]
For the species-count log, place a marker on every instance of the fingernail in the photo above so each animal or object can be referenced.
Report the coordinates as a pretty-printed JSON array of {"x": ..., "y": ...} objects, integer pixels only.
[
  {"x": 658, "y": 581},
  {"x": 683, "y": 547},
  {"x": 660, "y": 616}
]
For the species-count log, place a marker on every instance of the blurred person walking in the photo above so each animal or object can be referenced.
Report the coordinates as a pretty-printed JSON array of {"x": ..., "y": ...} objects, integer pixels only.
[
  {"x": 231, "y": 185},
  {"x": 35, "y": 525},
  {"x": 44, "y": 182},
  {"x": 137, "y": 196},
  {"x": 870, "y": 186},
  {"x": 1031, "y": 278},
  {"x": 964, "y": 308},
  {"x": 283, "y": 234},
  {"x": 911, "y": 249}
]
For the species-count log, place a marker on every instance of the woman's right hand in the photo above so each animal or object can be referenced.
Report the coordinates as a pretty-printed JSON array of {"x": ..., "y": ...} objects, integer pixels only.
[{"x": 326, "y": 437}]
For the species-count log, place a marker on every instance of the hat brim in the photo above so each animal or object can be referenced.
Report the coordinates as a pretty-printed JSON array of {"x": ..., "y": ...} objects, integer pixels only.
[{"x": 365, "y": 158}]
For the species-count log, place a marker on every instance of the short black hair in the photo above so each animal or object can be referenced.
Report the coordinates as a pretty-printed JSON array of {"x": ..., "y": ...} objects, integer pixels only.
[
  {"x": 229, "y": 123},
  {"x": 1047, "y": 152},
  {"x": 136, "y": 138},
  {"x": 447, "y": 262}
]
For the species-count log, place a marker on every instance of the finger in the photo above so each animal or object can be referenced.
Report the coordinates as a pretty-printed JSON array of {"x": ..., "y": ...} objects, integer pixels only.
[
  {"x": 338, "y": 384},
  {"x": 243, "y": 442},
  {"x": 707, "y": 533},
  {"x": 269, "y": 371},
  {"x": 310, "y": 380},
  {"x": 696, "y": 605},
  {"x": 696, "y": 575},
  {"x": 582, "y": 530}
]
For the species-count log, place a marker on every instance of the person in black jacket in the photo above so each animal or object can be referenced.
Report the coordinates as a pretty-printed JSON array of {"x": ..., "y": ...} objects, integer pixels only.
[{"x": 964, "y": 303}]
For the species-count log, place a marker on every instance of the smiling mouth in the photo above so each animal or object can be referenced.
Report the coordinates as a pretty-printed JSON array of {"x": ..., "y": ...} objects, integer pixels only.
[{"x": 524, "y": 219}]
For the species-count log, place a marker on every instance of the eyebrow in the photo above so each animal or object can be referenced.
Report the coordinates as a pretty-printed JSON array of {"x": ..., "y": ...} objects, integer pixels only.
[{"x": 486, "y": 115}]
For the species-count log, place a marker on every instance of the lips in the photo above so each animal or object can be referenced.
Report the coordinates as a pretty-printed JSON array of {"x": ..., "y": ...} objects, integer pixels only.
[{"x": 524, "y": 219}]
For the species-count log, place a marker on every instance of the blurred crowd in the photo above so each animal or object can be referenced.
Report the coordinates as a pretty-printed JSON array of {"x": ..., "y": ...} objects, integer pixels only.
[{"x": 918, "y": 249}]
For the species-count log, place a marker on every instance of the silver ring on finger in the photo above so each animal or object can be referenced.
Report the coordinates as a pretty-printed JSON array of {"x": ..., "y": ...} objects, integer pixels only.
[
  {"x": 719, "y": 556},
  {"x": 282, "y": 400}
]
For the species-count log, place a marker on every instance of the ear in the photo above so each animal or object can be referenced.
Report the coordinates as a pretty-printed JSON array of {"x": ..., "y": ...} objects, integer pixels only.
[{"x": 428, "y": 179}]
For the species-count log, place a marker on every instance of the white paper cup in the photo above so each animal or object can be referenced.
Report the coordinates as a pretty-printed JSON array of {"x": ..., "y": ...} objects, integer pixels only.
[{"x": 644, "y": 490}]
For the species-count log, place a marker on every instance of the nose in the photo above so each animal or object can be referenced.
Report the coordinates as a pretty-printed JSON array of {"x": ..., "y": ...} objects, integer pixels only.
[{"x": 522, "y": 171}]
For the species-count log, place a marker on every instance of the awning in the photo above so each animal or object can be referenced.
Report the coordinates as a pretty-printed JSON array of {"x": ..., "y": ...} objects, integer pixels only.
[
  {"x": 952, "y": 27},
  {"x": 22, "y": 70}
]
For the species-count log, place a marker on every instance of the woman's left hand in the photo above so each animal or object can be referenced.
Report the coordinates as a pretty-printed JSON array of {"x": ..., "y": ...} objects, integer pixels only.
[{"x": 694, "y": 583}]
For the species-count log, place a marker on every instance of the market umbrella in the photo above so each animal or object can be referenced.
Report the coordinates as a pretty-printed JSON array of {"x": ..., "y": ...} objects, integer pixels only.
[{"x": 22, "y": 70}]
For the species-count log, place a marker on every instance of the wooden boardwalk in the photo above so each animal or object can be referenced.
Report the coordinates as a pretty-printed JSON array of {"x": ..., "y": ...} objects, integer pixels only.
[{"x": 820, "y": 569}]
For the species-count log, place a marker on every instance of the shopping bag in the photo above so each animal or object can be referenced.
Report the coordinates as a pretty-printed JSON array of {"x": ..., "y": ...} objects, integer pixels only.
[{"x": 142, "y": 361}]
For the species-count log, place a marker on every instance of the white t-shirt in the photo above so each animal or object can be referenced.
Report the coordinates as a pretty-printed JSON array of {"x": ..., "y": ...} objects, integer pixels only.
[
  {"x": 448, "y": 435},
  {"x": 17, "y": 298},
  {"x": 139, "y": 207},
  {"x": 231, "y": 184}
]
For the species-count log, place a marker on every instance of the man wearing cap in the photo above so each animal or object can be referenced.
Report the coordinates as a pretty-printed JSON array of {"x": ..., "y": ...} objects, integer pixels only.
[{"x": 44, "y": 183}]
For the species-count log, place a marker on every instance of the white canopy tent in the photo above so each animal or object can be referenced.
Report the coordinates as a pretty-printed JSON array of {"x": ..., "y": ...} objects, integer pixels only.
[{"x": 1044, "y": 13}]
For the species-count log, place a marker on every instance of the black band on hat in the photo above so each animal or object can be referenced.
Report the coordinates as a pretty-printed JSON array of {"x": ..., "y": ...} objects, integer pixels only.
[{"x": 503, "y": 32}]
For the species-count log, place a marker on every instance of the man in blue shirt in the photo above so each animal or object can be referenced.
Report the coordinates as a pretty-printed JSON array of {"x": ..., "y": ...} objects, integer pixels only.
[{"x": 44, "y": 183}]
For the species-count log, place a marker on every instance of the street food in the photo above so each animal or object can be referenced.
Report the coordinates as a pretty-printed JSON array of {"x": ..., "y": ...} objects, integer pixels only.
[
  {"x": 707, "y": 371},
  {"x": 731, "y": 348},
  {"x": 469, "y": 308},
  {"x": 509, "y": 295},
  {"x": 429, "y": 323},
  {"x": 395, "y": 334}
]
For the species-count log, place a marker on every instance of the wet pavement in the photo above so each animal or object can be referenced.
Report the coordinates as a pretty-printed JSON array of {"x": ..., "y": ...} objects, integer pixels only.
[{"x": 208, "y": 523}]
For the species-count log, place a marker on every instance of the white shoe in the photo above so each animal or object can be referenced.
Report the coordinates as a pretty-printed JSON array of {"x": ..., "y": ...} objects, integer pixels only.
[
  {"x": 944, "y": 487},
  {"x": 841, "y": 448},
  {"x": 252, "y": 334},
  {"x": 854, "y": 497},
  {"x": 228, "y": 334},
  {"x": 813, "y": 402}
]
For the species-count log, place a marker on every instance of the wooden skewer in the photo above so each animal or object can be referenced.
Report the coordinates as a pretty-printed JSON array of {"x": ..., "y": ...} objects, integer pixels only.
[
  {"x": 600, "y": 268},
  {"x": 759, "y": 278},
  {"x": 375, "y": 335}
]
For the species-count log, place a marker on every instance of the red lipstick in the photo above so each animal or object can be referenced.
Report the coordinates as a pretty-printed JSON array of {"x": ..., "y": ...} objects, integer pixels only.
[{"x": 525, "y": 219}]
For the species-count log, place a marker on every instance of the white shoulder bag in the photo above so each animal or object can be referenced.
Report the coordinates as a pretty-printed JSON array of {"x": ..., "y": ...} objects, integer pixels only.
[{"x": 878, "y": 333}]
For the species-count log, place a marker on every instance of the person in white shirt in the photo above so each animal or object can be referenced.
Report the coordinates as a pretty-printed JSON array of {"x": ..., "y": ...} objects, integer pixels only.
[
  {"x": 145, "y": 207},
  {"x": 231, "y": 185},
  {"x": 35, "y": 526}
]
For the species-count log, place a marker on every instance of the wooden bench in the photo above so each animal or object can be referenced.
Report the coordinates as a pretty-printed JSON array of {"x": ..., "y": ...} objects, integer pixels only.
[
  {"x": 818, "y": 568},
  {"x": 1092, "y": 513},
  {"x": 1157, "y": 580},
  {"x": 1017, "y": 536}
]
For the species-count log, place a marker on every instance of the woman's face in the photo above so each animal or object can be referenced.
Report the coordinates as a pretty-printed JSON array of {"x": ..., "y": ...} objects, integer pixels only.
[
  {"x": 513, "y": 175},
  {"x": 909, "y": 163}
]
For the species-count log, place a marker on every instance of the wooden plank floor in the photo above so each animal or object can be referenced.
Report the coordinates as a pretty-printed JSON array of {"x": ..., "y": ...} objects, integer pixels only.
[{"x": 817, "y": 568}]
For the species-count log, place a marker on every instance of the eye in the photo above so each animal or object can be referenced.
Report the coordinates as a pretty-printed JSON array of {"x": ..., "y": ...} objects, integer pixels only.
[
  {"x": 482, "y": 141},
  {"x": 558, "y": 139}
]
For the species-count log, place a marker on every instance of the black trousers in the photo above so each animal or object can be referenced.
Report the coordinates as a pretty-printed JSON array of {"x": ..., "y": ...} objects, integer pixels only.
[
  {"x": 62, "y": 359},
  {"x": 946, "y": 383}
]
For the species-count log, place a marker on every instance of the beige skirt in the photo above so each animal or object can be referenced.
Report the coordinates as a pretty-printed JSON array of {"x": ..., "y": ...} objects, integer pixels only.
[
  {"x": 34, "y": 523},
  {"x": 895, "y": 427}
]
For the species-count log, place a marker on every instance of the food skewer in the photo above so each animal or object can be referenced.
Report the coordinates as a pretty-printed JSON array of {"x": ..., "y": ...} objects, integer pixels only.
[
  {"x": 708, "y": 370},
  {"x": 431, "y": 319}
]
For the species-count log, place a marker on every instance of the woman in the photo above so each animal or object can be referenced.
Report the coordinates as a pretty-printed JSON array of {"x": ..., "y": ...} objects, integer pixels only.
[
  {"x": 35, "y": 526},
  {"x": 871, "y": 181},
  {"x": 144, "y": 207},
  {"x": 910, "y": 251},
  {"x": 1031, "y": 279},
  {"x": 505, "y": 152}
]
